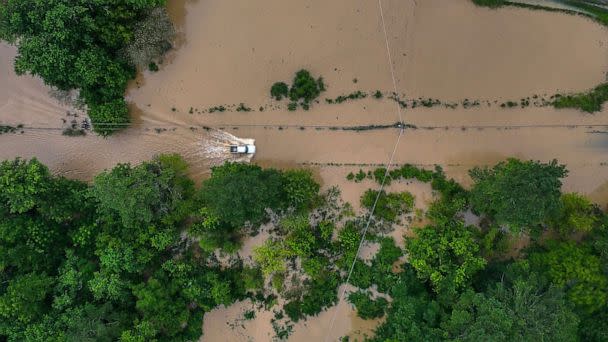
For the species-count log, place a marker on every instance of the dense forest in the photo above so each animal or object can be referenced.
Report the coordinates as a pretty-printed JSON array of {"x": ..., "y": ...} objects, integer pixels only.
[
  {"x": 141, "y": 253},
  {"x": 91, "y": 46}
]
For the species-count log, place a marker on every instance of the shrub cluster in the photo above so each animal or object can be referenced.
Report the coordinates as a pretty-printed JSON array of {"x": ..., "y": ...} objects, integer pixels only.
[{"x": 304, "y": 90}]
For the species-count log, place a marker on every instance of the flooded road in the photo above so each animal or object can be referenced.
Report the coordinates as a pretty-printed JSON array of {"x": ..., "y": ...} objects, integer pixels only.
[{"x": 230, "y": 52}]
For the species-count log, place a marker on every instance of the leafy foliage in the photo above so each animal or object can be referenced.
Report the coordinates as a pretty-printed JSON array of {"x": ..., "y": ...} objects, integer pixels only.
[
  {"x": 152, "y": 37},
  {"x": 576, "y": 269},
  {"x": 388, "y": 206},
  {"x": 445, "y": 255},
  {"x": 105, "y": 261},
  {"x": 238, "y": 193},
  {"x": 79, "y": 44},
  {"x": 368, "y": 308},
  {"x": 490, "y": 3},
  {"x": 279, "y": 90},
  {"x": 518, "y": 193},
  {"x": 576, "y": 214},
  {"x": 304, "y": 90},
  {"x": 590, "y": 102}
]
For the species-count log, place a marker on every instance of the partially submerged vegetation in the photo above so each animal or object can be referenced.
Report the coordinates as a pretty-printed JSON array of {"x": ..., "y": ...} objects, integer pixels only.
[
  {"x": 463, "y": 282},
  {"x": 591, "y": 101},
  {"x": 304, "y": 90},
  {"x": 7, "y": 129},
  {"x": 93, "y": 47},
  {"x": 143, "y": 253}
]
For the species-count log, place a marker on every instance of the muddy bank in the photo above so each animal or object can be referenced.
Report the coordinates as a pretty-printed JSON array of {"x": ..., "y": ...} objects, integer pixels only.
[{"x": 229, "y": 324}]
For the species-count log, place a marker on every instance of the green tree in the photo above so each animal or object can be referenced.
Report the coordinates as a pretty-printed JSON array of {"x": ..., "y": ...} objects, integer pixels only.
[
  {"x": 521, "y": 311},
  {"x": 271, "y": 257},
  {"x": 577, "y": 270},
  {"x": 305, "y": 87},
  {"x": 368, "y": 308},
  {"x": 139, "y": 195},
  {"x": 576, "y": 214},
  {"x": 301, "y": 188},
  {"x": 447, "y": 256},
  {"x": 24, "y": 301},
  {"x": 238, "y": 193},
  {"x": 160, "y": 304},
  {"x": 22, "y": 184},
  {"x": 79, "y": 44},
  {"x": 388, "y": 206},
  {"x": 279, "y": 90},
  {"x": 518, "y": 193}
]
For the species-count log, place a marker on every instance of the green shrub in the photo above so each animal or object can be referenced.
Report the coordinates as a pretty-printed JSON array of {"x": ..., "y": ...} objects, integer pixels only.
[
  {"x": 490, "y": 3},
  {"x": 368, "y": 308},
  {"x": 279, "y": 90},
  {"x": 305, "y": 87},
  {"x": 153, "y": 67},
  {"x": 590, "y": 102},
  {"x": 350, "y": 176},
  {"x": 109, "y": 117},
  {"x": 292, "y": 106},
  {"x": 360, "y": 176},
  {"x": 381, "y": 176},
  {"x": 388, "y": 206}
]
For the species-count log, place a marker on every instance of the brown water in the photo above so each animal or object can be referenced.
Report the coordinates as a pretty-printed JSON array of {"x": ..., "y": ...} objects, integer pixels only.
[{"x": 230, "y": 52}]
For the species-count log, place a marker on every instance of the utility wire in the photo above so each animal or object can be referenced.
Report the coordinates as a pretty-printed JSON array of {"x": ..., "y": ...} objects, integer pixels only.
[
  {"x": 364, "y": 233},
  {"x": 388, "y": 167}
]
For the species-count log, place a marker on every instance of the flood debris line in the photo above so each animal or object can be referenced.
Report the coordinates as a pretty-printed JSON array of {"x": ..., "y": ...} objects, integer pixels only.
[{"x": 589, "y": 101}]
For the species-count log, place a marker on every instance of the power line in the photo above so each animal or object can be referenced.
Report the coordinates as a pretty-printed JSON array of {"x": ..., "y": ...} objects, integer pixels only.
[
  {"x": 336, "y": 127},
  {"x": 388, "y": 167},
  {"x": 390, "y": 59},
  {"x": 364, "y": 233}
]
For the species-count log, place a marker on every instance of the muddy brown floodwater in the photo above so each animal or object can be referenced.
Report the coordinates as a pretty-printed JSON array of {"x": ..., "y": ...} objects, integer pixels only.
[{"x": 230, "y": 52}]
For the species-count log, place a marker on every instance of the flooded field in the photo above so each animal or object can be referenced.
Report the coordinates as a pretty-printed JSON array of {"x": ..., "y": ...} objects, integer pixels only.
[{"x": 230, "y": 52}]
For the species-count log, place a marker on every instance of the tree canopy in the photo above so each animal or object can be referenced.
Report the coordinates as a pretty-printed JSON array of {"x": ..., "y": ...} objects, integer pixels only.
[
  {"x": 133, "y": 256},
  {"x": 105, "y": 261},
  {"x": 518, "y": 193},
  {"x": 80, "y": 44}
]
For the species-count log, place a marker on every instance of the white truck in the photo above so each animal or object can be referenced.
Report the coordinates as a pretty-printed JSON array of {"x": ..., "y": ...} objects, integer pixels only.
[{"x": 242, "y": 149}]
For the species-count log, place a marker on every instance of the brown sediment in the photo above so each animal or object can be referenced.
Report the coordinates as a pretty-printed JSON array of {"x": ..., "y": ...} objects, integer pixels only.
[{"x": 230, "y": 52}]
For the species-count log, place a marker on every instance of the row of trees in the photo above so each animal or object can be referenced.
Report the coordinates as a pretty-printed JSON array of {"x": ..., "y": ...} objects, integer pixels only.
[
  {"x": 114, "y": 260},
  {"x": 466, "y": 283},
  {"x": 90, "y": 46},
  {"x": 130, "y": 256}
]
